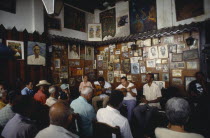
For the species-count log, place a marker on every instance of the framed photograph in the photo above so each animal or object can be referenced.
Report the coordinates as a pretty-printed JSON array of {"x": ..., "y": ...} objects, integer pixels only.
[
  {"x": 176, "y": 73},
  {"x": 190, "y": 54},
  {"x": 134, "y": 68},
  {"x": 156, "y": 76},
  {"x": 54, "y": 23},
  {"x": 94, "y": 32},
  {"x": 126, "y": 65},
  {"x": 100, "y": 72},
  {"x": 153, "y": 52},
  {"x": 151, "y": 63},
  {"x": 110, "y": 77},
  {"x": 161, "y": 84},
  {"x": 163, "y": 51},
  {"x": 72, "y": 82},
  {"x": 158, "y": 66},
  {"x": 147, "y": 42},
  {"x": 74, "y": 52},
  {"x": 117, "y": 66},
  {"x": 57, "y": 63},
  {"x": 177, "y": 57},
  {"x": 36, "y": 53},
  {"x": 172, "y": 48},
  {"x": 64, "y": 75},
  {"x": 140, "y": 43},
  {"x": 165, "y": 77},
  {"x": 124, "y": 48},
  {"x": 158, "y": 61},
  {"x": 129, "y": 77},
  {"x": 116, "y": 58},
  {"x": 135, "y": 78},
  {"x": 192, "y": 65},
  {"x": 17, "y": 48},
  {"x": 143, "y": 69},
  {"x": 155, "y": 41},
  {"x": 89, "y": 53},
  {"x": 117, "y": 51},
  {"x": 180, "y": 65},
  {"x": 164, "y": 61},
  {"x": 134, "y": 59},
  {"x": 168, "y": 39},
  {"x": 143, "y": 78},
  {"x": 187, "y": 80},
  {"x": 177, "y": 81},
  {"x": 116, "y": 73},
  {"x": 165, "y": 67},
  {"x": 180, "y": 48}
]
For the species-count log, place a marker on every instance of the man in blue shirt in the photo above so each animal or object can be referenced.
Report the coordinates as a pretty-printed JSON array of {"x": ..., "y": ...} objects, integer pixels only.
[
  {"x": 28, "y": 90},
  {"x": 85, "y": 111}
]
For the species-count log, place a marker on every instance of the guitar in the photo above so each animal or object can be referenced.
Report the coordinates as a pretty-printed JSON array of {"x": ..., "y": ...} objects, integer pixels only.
[
  {"x": 125, "y": 90},
  {"x": 98, "y": 90}
]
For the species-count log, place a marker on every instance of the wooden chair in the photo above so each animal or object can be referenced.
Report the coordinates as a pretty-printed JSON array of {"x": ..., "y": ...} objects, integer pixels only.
[{"x": 103, "y": 130}]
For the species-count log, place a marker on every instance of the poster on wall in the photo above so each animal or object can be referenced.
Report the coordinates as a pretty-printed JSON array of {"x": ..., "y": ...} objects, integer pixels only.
[
  {"x": 94, "y": 32},
  {"x": 36, "y": 53},
  {"x": 74, "y": 52},
  {"x": 143, "y": 16},
  {"x": 17, "y": 48},
  {"x": 74, "y": 19},
  {"x": 89, "y": 53},
  {"x": 108, "y": 23},
  {"x": 188, "y": 8}
]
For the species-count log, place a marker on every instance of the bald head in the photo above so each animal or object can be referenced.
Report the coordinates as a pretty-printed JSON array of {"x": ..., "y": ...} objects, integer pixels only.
[{"x": 60, "y": 114}]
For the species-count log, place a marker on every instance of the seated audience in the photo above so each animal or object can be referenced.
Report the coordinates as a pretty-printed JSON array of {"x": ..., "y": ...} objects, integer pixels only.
[
  {"x": 28, "y": 90},
  {"x": 42, "y": 93},
  {"x": 53, "y": 96},
  {"x": 3, "y": 95},
  {"x": 103, "y": 88},
  {"x": 7, "y": 113},
  {"x": 22, "y": 125},
  {"x": 60, "y": 117},
  {"x": 111, "y": 116},
  {"x": 149, "y": 103},
  {"x": 65, "y": 92},
  {"x": 130, "y": 93},
  {"x": 85, "y": 83},
  {"x": 85, "y": 111},
  {"x": 177, "y": 112}
]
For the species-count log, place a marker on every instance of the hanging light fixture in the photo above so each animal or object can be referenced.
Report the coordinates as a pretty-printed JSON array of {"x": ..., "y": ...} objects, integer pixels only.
[{"x": 53, "y": 7}]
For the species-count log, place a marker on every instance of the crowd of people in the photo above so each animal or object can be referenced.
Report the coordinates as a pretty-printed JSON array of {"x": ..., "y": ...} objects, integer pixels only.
[{"x": 52, "y": 112}]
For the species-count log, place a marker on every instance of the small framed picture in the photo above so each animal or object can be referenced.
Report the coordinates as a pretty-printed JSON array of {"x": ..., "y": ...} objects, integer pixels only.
[
  {"x": 151, "y": 63},
  {"x": 180, "y": 65},
  {"x": 147, "y": 42},
  {"x": 57, "y": 63},
  {"x": 176, "y": 73},
  {"x": 190, "y": 54},
  {"x": 156, "y": 76},
  {"x": 177, "y": 81},
  {"x": 143, "y": 78},
  {"x": 164, "y": 61},
  {"x": 187, "y": 80},
  {"x": 180, "y": 48},
  {"x": 192, "y": 65},
  {"x": 176, "y": 57},
  {"x": 172, "y": 48},
  {"x": 165, "y": 77}
]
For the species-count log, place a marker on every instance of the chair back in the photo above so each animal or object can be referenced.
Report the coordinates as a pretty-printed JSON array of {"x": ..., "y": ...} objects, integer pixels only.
[{"x": 103, "y": 130}]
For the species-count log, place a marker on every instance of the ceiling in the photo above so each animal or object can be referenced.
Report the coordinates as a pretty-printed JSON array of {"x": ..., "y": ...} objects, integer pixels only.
[{"x": 90, "y": 5}]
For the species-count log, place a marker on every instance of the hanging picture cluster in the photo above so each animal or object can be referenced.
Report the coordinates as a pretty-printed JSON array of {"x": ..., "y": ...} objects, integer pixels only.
[{"x": 169, "y": 58}]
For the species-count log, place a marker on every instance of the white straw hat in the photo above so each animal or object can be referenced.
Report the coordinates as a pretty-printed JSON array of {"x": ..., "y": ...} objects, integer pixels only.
[{"x": 43, "y": 82}]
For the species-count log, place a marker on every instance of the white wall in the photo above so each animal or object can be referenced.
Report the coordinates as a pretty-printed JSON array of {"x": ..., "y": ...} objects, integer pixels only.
[{"x": 73, "y": 33}]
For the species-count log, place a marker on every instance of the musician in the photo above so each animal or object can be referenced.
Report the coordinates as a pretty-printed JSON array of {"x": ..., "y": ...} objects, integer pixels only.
[
  {"x": 130, "y": 93},
  {"x": 102, "y": 89}
]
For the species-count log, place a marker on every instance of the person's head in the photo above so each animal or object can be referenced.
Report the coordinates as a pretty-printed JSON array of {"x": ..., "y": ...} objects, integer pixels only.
[
  {"x": 177, "y": 111},
  {"x": 2, "y": 87},
  {"x": 29, "y": 84},
  {"x": 64, "y": 87},
  {"x": 74, "y": 48},
  {"x": 85, "y": 78},
  {"x": 36, "y": 50},
  {"x": 87, "y": 93},
  {"x": 163, "y": 50},
  {"x": 116, "y": 98},
  {"x": 153, "y": 51},
  {"x": 135, "y": 68},
  {"x": 11, "y": 97},
  {"x": 60, "y": 114},
  {"x": 53, "y": 92},
  {"x": 3, "y": 96},
  {"x": 43, "y": 86},
  {"x": 150, "y": 77},
  {"x": 124, "y": 81},
  {"x": 199, "y": 76},
  {"x": 101, "y": 81}
]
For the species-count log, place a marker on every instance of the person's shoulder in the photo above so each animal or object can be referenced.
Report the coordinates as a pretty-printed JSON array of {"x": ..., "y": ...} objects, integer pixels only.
[{"x": 131, "y": 84}]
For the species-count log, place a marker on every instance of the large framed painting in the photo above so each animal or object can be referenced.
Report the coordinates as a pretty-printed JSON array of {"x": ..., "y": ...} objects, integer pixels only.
[
  {"x": 143, "y": 16},
  {"x": 108, "y": 23},
  {"x": 74, "y": 19},
  {"x": 36, "y": 53},
  {"x": 94, "y": 32},
  {"x": 8, "y": 5},
  {"x": 17, "y": 48},
  {"x": 188, "y": 8}
]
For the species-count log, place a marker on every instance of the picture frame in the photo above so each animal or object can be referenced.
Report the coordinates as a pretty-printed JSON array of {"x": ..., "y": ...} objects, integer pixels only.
[
  {"x": 17, "y": 48},
  {"x": 163, "y": 51},
  {"x": 94, "y": 32},
  {"x": 177, "y": 81},
  {"x": 176, "y": 73},
  {"x": 74, "y": 51},
  {"x": 187, "y": 80},
  {"x": 143, "y": 78},
  {"x": 165, "y": 77},
  {"x": 153, "y": 52},
  {"x": 180, "y": 65},
  {"x": 89, "y": 53},
  {"x": 172, "y": 48},
  {"x": 180, "y": 48},
  {"x": 190, "y": 54},
  {"x": 156, "y": 76},
  {"x": 192, "y": 65},
  {"x": 110, "y": 77},
  {"x": 177, "y": 57},
  {"x": 57, "y": 63},
  {"x": 134, "y": 68},
  {"x": 151, "y": 63}
]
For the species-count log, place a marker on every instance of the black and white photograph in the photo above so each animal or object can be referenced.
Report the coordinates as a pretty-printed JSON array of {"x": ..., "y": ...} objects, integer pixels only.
[
  {"x": 177, "y": 57},
  {"x": 110, "y": 77},
  {"x": 143, "y": 69},
  {"x": 165, "y": 77},
  {"x": 147, "y": 42},
  {"x": 89, "y": 53},
  {"x": 57, "y": 63},
  {"x": 180, "y": 48},
  {"x": 153, "y": 52},
  {"x": 100, "y": 72},
  {"x": 143, "y": 78},
  {"x": 74, "y": 51},
  {"x": 134, "y": 68},
  {"x": 155, "y": 41},
  {"x": 192, "y": 65},
  {"x": 165, "y": 67},
  {"x": 172, "y": 48},
  {"x": 180, "y": 65},
  {"x": 168, "y": 40},
  {"x": 156, "y": 76},
  {"x": 190, "y": 54},
  {"x": 151, "y": 63},
  {"x": 163, "y": 51}
]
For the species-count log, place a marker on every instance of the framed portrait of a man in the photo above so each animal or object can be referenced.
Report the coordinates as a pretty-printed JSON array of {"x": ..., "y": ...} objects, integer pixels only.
[
  {"x": 134, "y": 68},
  {"x": 17, "y": 48},
  {"x": 89, "y": 53},
  {"x": 153, "y": 52},
  {"x": 163, "y": 51},
  {"x": 36, "y": 53},
  {"x": 74, "y": 52}
]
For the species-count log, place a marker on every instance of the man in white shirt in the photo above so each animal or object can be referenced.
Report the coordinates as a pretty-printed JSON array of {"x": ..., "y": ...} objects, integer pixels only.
[
  {"x": 111, "y": 116},
  {"x": 60, "y": 118},
  {"x": 53, "y": 96},
  {"x": 149, "y": 103},
  {"x": 36, "y": 59},
  {"x": 73, "y": 53},
  {"x": 130, "y": 95},
  {"x": 104, "y": 88}
]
